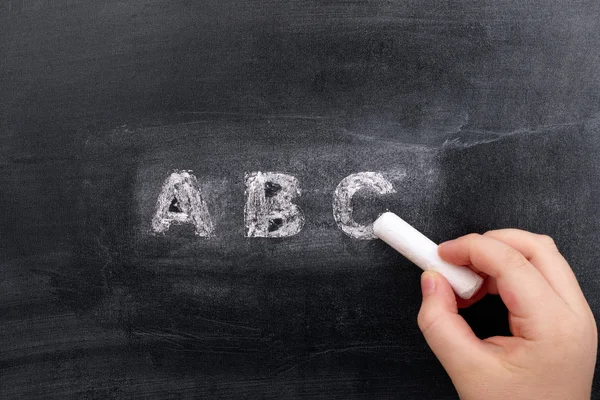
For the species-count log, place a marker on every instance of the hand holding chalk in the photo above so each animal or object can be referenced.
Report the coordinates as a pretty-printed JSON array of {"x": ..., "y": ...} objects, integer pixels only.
[
  {"x": 552, "y": 351},
  {"x": 415, "y": 246}
]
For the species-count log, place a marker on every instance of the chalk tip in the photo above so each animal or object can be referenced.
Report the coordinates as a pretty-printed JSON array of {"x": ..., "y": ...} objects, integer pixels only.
[
  {"x": 467, "y": 294},
  {"x": 382, "y": 221}
]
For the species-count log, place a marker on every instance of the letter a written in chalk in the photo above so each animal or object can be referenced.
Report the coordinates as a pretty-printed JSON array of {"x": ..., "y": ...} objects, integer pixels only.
[{"x": 180, "y": 201}]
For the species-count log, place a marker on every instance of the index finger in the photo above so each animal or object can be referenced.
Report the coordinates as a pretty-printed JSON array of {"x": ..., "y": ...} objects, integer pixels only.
[{"x": 521, "y": 286}]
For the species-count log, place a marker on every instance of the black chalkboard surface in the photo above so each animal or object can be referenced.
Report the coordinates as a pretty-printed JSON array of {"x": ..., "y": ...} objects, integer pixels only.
[{"x": 481, "y": 115}]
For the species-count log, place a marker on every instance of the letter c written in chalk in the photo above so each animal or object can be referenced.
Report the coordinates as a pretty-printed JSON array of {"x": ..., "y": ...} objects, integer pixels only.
[{"x": 342, "y": 201}]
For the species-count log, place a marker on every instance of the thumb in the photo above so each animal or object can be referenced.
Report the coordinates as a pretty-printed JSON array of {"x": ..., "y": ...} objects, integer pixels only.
[{"x": 447, "y": 333}]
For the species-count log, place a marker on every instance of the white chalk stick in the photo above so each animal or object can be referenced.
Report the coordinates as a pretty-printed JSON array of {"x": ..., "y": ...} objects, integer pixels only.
[{"x": 415, "y": 246}]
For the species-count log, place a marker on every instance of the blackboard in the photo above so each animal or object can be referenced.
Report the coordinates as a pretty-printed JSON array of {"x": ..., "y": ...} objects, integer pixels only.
[{"x": 481, "y": 114}]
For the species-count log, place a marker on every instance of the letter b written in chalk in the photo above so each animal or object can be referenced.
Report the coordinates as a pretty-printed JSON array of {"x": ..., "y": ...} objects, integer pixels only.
[{"x": 269, "y": 209}]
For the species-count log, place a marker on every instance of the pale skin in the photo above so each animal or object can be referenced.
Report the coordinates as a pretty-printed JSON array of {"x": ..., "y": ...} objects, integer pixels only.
[{"x": 552, "y": 352}]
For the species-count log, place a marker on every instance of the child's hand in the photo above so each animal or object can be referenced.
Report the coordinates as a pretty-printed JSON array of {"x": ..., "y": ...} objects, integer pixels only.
[{"x": 553, "y": 351}]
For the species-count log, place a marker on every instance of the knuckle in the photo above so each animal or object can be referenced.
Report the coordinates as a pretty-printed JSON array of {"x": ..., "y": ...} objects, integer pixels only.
[
  {"x": 471, "y": 239},
  {"x": 569, "y": 330},
  {"x": 593, "y": 333},
  {"x": 547, "y": 242},
  {"x": 593, "y": 323},
  {"x": 591, "y": 326},
  {"x": 493, "y": 232},
  {"x": 501, "y": 234},
  {"x": 515, "y": 259},
  {"x": 594, "y": 328},
  {"x": 426, "y": 320},
  {"x": 571, "y": 336}
]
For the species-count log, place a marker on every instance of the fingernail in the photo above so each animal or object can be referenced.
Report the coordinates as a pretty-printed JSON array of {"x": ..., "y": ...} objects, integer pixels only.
[{"x": 427, "y": 283}]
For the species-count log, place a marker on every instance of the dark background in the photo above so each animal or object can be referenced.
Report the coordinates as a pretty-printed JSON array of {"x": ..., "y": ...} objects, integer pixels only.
[{"x": 484, "y": 114}]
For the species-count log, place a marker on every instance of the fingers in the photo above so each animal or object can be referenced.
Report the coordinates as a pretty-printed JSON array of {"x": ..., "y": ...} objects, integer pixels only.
[
  {"x": 446, "y": 332},
  {"x": 522, "y": 287},
  {"x": 542, "y": 254},
  {"x": 488, "y": 286}
]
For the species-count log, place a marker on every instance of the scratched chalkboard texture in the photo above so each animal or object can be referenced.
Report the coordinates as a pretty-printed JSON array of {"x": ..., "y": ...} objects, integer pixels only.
[{"x": 482, "y": 114}]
